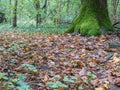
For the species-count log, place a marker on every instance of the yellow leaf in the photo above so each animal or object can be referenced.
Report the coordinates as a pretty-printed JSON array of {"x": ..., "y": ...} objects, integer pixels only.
[
  {"x": 26, "y": 49},
  {"x": 99, "y": 88},
  {"x": 116, "y": 59},
  {"x": 62, "y": 59},
  {"x": 83, "y": 55},
  {"x": 106, "y": 85}
]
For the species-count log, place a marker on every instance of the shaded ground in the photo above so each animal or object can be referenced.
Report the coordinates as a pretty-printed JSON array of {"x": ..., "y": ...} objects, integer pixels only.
[{"x": 92, "y": 62}]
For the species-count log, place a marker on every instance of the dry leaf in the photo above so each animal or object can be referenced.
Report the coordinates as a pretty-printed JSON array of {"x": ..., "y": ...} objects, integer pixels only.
[
  {"x": 83, "y": 72},
  {"x": 80, "y": 64},
  {"x": 118, "y": 82},
  {"x": 103, "y": 37},
  {"x": 83, "y": 55},
  {"x": 99, "y": 89},
  {"x": 60, "y": 88},
  {"x": 92, "y": 64},
  {"x": 106, "y": 86},
  {"x": 116, "y": 59},
  {"x": 62, "y": 59},
  {"x": 45, "y": 78}
]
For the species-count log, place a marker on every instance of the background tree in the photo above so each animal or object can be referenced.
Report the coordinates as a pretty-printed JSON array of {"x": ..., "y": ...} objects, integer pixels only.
[
  {"x": 64, "y": 12},
  {"x": 2, "y": 17},
  {"x": 115, "y": 4},
  {"x": 15, "y": 14},
  {"x": 2, "y": 14},
  {"x": 38, "y": 15}
]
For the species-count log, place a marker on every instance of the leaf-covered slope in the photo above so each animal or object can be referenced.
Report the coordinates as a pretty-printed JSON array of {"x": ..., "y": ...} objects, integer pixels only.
[{"x": 58, "y": 61}]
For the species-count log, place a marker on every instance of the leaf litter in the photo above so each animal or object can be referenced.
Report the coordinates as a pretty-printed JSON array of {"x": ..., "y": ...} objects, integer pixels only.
[{"x": 76, "y": 62}]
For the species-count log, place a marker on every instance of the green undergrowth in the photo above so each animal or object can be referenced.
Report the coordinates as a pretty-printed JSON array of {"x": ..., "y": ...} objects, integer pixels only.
[{"x": 46, "y": 29}]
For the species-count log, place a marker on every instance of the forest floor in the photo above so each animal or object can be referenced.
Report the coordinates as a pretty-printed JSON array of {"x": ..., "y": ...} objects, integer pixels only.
[{"x": 35, "y": 61}]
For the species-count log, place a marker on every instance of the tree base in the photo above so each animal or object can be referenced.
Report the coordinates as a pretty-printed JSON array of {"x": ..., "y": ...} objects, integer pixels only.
[{"x": 90, "y": 22}]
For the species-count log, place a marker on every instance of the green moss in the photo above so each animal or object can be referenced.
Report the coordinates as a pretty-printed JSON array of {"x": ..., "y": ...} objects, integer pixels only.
[
  {"x": 107, "y": 24},
  {"x": 87, "y": 22}
]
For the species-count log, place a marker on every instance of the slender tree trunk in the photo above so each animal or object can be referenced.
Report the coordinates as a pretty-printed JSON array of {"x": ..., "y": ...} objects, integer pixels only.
[
  {"x": 45, "y": 10},
  {"x": 45, "y": 6},
  {"x": 68, "y": 6},
  {"x": 15, "y": 14},
  {"x": 2, "y": 17},
  {"x": 58, "y": 17},
  {"x": 93, "y": 18},
  {"x": 38, "y": 15},
  {"x": 10, "y": 11},
  {"x": 115, "y": 4}
]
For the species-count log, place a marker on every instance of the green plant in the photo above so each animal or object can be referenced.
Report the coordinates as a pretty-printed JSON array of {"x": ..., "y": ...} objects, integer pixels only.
[
  {"x": 72, "y": 79},
  {"x": 17, "y": 82},
  {"x": 56, "y": 85},
  {"x": 91, "y": 75},
  {"x": 3, "y": 76},
  {"x": 23, "y": 85},
  {"x": 13, "y": 47},
  {"x": 30, "y": 67},
  {"x": 57, "y": 76}
]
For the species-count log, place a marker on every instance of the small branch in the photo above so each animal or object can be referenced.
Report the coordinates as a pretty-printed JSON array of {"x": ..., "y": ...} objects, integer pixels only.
[{"x": 116, "y": 23}]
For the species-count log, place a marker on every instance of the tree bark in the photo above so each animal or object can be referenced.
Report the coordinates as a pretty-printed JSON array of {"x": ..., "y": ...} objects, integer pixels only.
[
  {"x": 38, "y": 15},
  {"x": 2, "y": 17},
  {"x": 15, "y": 14},
  {"x": 10, "y": 3},
  {"x": 115, "y": 4},
  {"x": 93, "y": 19}
]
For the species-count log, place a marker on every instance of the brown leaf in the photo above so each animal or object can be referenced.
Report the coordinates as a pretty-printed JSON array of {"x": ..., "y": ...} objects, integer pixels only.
[
  {"x": 62, "y": 59},
  {"x": 80, "y": 64},
  {"x": 95, "y": 82},
  {"x": 92, "y": 63},
  {"x": 45, "y": 78},
  {"x": 60, "y": 88},
  {"x": 118, "y": 82}
]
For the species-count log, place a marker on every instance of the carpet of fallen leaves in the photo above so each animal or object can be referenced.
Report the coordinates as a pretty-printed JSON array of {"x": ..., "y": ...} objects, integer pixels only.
[{"x": 64, "y": 55}]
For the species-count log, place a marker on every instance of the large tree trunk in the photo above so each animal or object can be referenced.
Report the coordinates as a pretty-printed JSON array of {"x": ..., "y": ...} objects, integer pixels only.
[{"x": 93, "y": 18}]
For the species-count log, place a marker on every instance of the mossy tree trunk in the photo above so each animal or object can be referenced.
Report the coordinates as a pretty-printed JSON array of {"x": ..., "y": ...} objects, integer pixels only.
[{"x": 93, "y": 19}]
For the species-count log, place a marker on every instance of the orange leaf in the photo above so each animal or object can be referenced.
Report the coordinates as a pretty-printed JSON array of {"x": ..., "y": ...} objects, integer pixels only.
[
  {"x": 80, "y": 64},
  {"x": 45, "y": 78},
  {"x": 118, "y": 82},
  {"x": 60, "y": 88}
]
